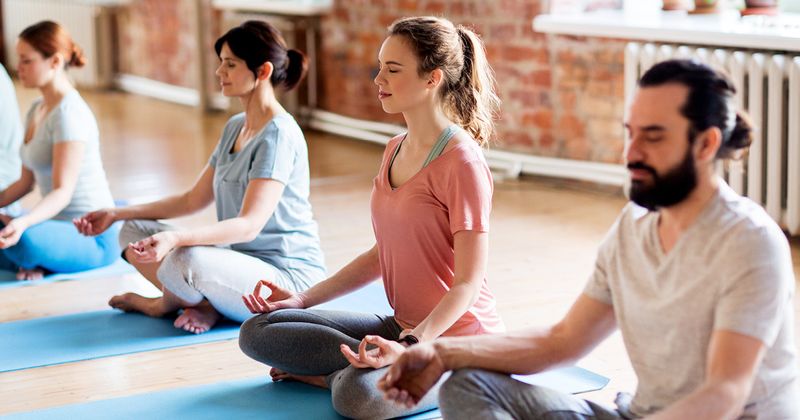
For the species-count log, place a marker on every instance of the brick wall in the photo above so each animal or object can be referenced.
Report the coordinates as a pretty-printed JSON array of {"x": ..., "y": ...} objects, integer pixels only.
[
  {"x": 562, "y": 96},
  {"x": 157, "y": 41}
]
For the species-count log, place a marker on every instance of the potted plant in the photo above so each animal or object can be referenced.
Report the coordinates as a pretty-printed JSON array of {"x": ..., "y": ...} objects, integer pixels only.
[
  {"x": 760, "y": 7},
  {"x": 706, "y": 6},
  {"x": 674, "y": 5}
]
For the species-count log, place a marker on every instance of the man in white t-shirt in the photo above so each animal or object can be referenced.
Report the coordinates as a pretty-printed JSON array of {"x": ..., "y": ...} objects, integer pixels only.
[{"x": 698, "y": 279}]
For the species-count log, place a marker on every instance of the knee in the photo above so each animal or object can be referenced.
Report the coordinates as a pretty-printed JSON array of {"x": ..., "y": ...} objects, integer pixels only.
[
  {"x": 131, "y": 231},
  {"x": 355, "y": 395},
  {"x": 463, "y": 383},
  {"x": 24, "y": 251},
  {"x": 177, "y": 266},
  {"x": 183, "y": 258},
  {"x": 252, "y": 337},
  {"x": 460, "y": 380}
]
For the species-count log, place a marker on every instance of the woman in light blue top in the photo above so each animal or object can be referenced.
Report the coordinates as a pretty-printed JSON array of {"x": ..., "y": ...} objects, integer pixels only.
[
  {"x": 10, "y": 137},
  {"x": 258, "y": 179},
  {"x": 61, "y": 155}
]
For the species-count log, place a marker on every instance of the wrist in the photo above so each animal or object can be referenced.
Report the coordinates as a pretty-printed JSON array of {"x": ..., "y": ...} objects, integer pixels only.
[
  {"x": 177, "y": 238},
  {"x": 408, "y": 340},
  {"x": 21, "y": 222},
  {"x": 447, "y": 354},
  {"x": 116, "y": 215}
]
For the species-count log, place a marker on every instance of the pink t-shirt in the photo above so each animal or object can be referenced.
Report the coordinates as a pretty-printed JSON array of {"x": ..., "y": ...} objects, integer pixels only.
[{"x": 414, "y": 226}]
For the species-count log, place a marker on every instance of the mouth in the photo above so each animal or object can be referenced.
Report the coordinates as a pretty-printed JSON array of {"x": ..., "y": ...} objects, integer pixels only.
[
  {"x": 383, "y": 95},
  {"x": 639, "y": 174}
]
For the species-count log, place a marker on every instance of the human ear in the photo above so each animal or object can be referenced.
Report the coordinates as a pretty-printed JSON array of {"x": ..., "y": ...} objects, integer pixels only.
[
  {"x": 435, "y": 78},
  {"x": 265, "y": 71},
  {"x": 708, "y": 143}
]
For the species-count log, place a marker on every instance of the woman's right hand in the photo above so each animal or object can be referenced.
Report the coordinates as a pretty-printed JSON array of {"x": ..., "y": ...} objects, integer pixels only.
[
  {"x": 96, "y": 222},
  {"x": 279, "y": 298}
]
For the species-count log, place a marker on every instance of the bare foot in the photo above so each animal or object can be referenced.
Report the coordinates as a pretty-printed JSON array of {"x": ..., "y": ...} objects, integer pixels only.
[
  {"x": 198, "y": 319},
  {"x": 132, "y": 302},
  {"x": 279, "y": 375},
  {"x": 33, "y": 274}
]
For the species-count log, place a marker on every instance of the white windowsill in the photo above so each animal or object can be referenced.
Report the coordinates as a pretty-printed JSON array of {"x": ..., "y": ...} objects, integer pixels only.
[
  {"x": 279, "y": 7},
  {"x": 725, "y": 30}
]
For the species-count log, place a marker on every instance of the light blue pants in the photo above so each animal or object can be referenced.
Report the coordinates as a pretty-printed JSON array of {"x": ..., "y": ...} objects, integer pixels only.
[{"x": 56, "y": 246}]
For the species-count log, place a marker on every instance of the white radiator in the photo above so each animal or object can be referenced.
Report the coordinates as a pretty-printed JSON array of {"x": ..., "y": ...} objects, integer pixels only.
[
  {"x": 88, "y": 22},
  {"x": 768, "y": 87}
]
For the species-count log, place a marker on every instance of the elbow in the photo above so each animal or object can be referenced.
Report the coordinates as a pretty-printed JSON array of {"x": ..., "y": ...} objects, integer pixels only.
[
  {"x": 735, "y": 395},
  {"x": 63, "y": 196},
  {"x": 250, "y": 231},
  {"x": 564, "y": 350}
]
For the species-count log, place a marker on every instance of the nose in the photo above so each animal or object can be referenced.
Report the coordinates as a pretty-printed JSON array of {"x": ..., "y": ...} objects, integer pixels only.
[
  {"x": 633, "y": 152},
  {"x": 218, "y": 71},
  {"x": 378, "y": 80}
]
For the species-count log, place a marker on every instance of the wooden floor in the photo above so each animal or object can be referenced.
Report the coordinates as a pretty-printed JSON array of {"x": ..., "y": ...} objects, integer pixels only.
[{"x": 543, "y": 242}]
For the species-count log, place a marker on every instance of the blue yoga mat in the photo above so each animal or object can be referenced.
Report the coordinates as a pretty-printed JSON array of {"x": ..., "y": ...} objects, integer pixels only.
[
  {"x": 259, "y": 398},
  {"x": 245, "y": 399},
  {"x": 83, "y": 336},
  {"x": 119, "y": 267}
]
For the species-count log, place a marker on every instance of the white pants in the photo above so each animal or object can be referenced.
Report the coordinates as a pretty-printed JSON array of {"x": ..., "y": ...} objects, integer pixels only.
[{"x": 220, "y": 275}]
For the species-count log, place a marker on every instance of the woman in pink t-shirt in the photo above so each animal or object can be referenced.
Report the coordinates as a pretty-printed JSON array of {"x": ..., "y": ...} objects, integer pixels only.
[{"x": 430, "y": 212}]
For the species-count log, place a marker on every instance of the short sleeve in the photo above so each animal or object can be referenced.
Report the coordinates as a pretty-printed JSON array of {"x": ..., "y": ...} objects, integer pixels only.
[
  {"x": 469, "y": 196},
  {"x": 274, "y": 156},
  {"x": 757, "y": 285},
  {"x": 71, "y": 123},
  {"x": 598, "y": 286}
]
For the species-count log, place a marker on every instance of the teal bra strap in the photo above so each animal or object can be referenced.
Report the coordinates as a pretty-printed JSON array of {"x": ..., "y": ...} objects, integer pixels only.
[
  {"x": 441, "y": 142},
  {"x": 437, "y": 149}
]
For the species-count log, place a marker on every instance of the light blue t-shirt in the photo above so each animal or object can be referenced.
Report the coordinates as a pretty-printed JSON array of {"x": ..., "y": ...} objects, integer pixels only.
[
  {"x": 70, "y": 120},
  {"x": 289, "y": 240},
  {"x": 10, "y": 135}
]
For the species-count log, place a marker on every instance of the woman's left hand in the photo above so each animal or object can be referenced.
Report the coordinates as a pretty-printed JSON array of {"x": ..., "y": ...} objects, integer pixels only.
[
  {"x": 385, "y": 352},
  {"x": 12, "y": 232},
  {"x": 154, "y": 248}
]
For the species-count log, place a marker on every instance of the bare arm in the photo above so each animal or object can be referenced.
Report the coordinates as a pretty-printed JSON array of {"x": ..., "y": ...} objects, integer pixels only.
[
  {"x": 733, "y": 359},
  {"x": 363, "y": 269},
  {"x": 18, "y": 189},
  {"x": 260, "y": 200},
  {"x": 471, "y": 252},
  {"x": 198, "y": 197},
  {"x": 587, "y": 323}
]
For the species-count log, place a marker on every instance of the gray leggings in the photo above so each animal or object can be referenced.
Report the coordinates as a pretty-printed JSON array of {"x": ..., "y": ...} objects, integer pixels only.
[
  {"x": 480, "y": 394},
  {"x": 306, "y": 342}
]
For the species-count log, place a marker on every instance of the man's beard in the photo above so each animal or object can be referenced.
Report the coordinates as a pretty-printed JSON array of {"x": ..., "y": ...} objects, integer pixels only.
[{"x": 665, "y": 190}]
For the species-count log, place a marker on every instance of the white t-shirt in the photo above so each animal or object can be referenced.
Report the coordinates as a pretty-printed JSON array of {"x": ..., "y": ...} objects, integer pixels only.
[
  {"x": 731, "y": 270},
  {"x": 70, "y": 120}
]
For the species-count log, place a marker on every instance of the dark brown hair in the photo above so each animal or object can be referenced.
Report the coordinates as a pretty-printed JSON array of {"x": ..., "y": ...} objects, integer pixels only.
[
  {"x": 257, "y": 42},
  {"x": 710, "y": 102}
]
